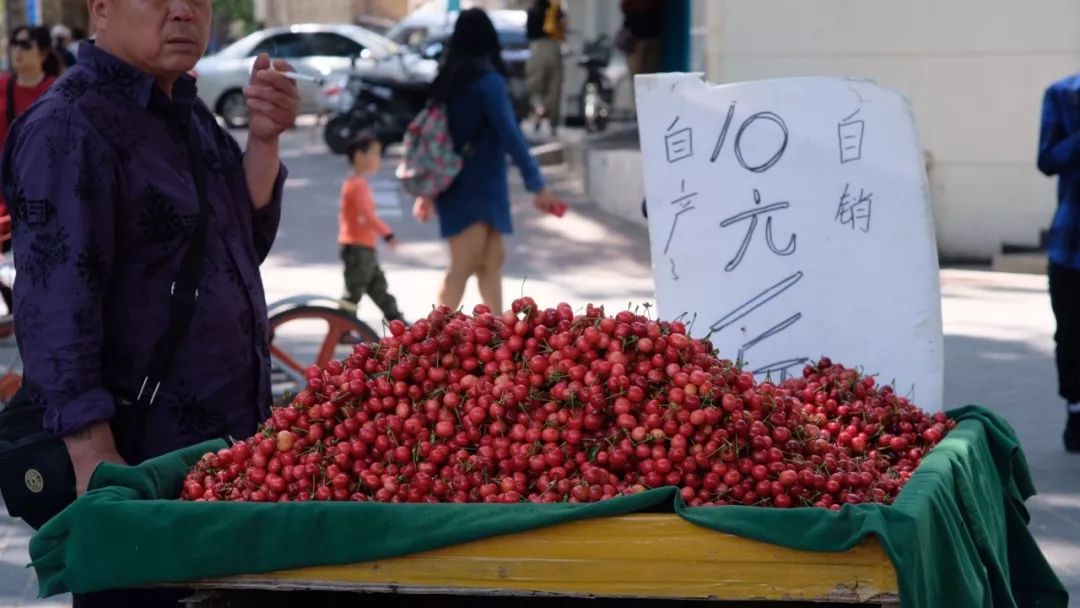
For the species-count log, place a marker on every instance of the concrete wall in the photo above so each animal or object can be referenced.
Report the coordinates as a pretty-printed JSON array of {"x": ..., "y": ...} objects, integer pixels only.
[
  {"x": 288, "y": 12},
  {"x": 975, "y": 71},
  {"x": 72, "y": 13},
  {"x": 383, "y": 9},
  {"x": 613, "y": 180}
]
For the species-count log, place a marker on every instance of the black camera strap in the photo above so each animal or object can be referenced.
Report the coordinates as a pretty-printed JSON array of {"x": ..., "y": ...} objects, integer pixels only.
[{"x": 184, "y": 292}]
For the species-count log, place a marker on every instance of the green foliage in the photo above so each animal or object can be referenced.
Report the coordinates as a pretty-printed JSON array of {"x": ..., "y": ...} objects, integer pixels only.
[{"x": 229, "y": 10}]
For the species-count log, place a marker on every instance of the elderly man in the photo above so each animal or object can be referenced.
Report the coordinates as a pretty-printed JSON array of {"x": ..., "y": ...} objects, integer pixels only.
[{"x": 105, "y": 205}]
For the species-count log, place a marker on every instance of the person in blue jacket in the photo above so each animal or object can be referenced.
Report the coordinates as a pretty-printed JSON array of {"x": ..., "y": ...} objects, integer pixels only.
[
  {"x": 1059, "y": 154},
  {"x": 474, "y": 213}
]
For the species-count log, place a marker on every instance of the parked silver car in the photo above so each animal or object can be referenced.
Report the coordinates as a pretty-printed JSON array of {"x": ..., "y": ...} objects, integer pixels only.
[{"x": 316, "y": 50}]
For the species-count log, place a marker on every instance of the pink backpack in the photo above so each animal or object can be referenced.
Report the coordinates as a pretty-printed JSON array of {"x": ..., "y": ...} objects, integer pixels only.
[{"x": 430, "y": 162}]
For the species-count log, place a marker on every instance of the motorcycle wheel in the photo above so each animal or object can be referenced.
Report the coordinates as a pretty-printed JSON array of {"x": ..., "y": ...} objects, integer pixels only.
[
  {"x": 594, "y": 108},
  {"x": 338, "y": 132}
]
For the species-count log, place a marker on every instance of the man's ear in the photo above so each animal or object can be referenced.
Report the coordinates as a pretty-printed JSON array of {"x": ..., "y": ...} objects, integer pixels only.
[{"x": 99, "y": 13}]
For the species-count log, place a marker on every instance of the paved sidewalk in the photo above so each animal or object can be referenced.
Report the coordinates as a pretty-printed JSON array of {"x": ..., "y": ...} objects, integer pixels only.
[
  {"x": 999, "y": 351},
  {"x": 18, "y": 585}
]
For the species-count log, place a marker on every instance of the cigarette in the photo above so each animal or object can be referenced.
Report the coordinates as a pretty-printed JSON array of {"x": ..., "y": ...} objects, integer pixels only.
[{"x": 304, "y": 78}]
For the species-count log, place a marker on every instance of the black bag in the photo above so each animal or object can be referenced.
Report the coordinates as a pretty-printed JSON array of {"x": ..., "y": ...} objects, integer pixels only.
[{"x": 36, "y": 477}]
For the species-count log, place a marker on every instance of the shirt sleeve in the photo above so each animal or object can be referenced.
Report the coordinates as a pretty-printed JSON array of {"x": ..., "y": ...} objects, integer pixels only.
[
  {"x": 268, "y": 219},
  {"x": 265, "y": 221},
  {"x": 60, "y": 178},
  {"x": 496, "y": 102},
  {"x": 364, "y": 205},
  {"x": 1058, "y": 149}
]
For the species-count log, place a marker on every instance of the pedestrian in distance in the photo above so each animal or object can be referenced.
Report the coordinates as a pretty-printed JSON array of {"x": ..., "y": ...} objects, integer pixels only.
[
  {"x": 361, "y": 227},
  {"x": 35, "y": 66},
  {"x": 474, "y": 212},
  {"x": 639, "y": 37},
  {"x": 61, "y": 37},
  {"x": 1059, "y": 155},
  {"x": 546, "y": 30}
]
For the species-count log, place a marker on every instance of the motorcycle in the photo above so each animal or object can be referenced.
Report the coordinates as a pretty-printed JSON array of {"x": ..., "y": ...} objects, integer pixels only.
[
  {"x": 383, "y": 101},
  {"x": 597, "y": 96},
  {"x": 382, "y": 106},
  {"x": 387, "y": 98}
]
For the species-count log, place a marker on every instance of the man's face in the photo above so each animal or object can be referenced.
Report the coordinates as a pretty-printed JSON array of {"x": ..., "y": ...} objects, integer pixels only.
[{"x": 160, "y": 37}]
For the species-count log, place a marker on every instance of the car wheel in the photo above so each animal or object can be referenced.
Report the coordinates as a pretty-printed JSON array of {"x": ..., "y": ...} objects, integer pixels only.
[{"x": 233, "y": 108}]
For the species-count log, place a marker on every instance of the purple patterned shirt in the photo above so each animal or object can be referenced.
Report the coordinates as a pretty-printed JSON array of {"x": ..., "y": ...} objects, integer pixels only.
[{"x": 103, "y": 202}]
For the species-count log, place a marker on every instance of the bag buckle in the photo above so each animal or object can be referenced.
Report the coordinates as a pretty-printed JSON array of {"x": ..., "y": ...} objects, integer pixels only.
[
  {"x": 172, "y": 291},
  {"x": 142, "y": 390}
]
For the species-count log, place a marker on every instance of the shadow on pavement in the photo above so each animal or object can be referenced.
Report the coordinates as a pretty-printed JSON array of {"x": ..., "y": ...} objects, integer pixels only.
[
  {"x": 18, "y": 585},
  {"x": 1020, "y": 383}
]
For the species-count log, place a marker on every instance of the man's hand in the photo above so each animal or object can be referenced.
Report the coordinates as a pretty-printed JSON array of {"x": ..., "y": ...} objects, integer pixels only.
[
  {"x": 89, "y": 447},
  {"x": 423, "y": 209},
  {"x": 272, "y": 99},
  {"x": 393, "y": 244}
]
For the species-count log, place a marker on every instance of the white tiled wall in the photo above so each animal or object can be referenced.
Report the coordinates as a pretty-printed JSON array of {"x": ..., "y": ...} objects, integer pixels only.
[{"x": 975, "y": 71}]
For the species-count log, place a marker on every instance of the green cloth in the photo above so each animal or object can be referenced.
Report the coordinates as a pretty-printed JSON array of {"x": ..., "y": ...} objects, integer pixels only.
[{"x": 957, "y": 534}]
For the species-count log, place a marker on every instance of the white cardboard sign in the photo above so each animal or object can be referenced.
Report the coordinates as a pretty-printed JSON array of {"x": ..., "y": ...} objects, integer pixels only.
[{"x": 791, "y": 219}]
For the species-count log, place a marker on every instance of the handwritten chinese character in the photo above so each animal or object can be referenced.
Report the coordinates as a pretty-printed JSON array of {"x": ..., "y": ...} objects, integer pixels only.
[
  {"x": 678, "y": 144},
  {"x": 752, "y": 215},
  {"x": 685, "y": 201},
  {"x": 850, "y": 133},
  {"x": 855, "y": 211}
]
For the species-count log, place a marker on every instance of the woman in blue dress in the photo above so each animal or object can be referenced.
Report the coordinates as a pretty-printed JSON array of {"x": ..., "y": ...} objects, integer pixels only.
[{"x": 474, "y": 213}]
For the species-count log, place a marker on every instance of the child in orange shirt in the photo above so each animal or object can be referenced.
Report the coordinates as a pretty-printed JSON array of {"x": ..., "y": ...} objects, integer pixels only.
[{"x": 359, "y": 228}]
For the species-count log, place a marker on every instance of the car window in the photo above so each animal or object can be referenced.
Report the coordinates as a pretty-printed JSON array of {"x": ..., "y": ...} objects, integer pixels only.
[
  {"x": 333, "y": 45},
  {"x": 284, "y": 46}
]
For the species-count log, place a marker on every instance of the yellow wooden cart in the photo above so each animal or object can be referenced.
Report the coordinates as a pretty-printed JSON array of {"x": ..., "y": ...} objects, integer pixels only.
[{"x": 640, "y": 556}]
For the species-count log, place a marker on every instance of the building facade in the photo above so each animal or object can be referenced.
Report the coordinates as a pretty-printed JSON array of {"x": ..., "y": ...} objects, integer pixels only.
[
  {"x": 286, "y": 12},
  {"x": 975, "y": 71},
  {"x": 71, "y": 13}
]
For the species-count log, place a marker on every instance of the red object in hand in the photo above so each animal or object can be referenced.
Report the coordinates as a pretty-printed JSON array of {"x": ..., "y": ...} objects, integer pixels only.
[{"x": 558, "y": 209}]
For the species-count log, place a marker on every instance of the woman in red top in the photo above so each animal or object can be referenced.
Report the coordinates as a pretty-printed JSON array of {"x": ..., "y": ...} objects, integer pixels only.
[{"x": 34, "y": 67}]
